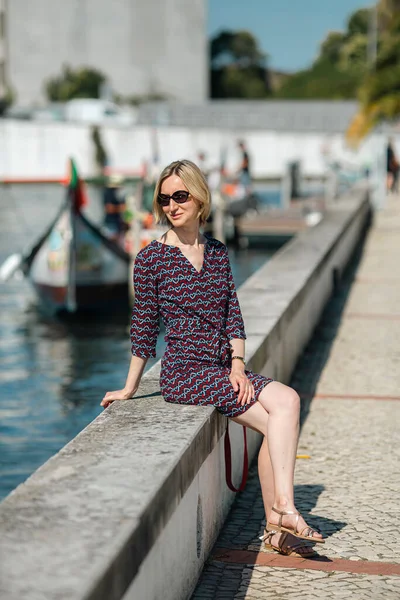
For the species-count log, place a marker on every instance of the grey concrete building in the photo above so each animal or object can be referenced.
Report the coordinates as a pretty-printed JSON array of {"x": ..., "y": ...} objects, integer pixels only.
[{"x": 143, "y": 46}]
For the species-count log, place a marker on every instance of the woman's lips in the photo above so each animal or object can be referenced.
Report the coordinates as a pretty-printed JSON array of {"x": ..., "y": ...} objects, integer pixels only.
[{"x": 175, "y": 216}]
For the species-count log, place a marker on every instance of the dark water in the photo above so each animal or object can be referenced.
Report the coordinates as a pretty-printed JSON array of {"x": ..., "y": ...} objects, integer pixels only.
[{"x": 53, "y": 373}]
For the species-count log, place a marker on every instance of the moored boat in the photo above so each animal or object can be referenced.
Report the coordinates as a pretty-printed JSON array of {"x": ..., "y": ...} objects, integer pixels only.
[{"x": 74, "y": 266}]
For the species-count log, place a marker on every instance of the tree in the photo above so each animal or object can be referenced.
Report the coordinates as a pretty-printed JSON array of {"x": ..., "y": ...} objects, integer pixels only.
[
  {"x": 331, "y": 47},
  {"x": 359, "y": 22},
  {"x": 238, "y": 66},
  {"x": 379, "y": 94},
  {"x": 353, "y": 55},
  {"x": 387, "y": 10},
  {"x": 82, "y": 82},
  {"x": 322, "y": 81},
  {"x": 338, "y": 71}
]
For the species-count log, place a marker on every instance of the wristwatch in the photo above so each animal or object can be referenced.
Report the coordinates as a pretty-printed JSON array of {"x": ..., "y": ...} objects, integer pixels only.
[{"x": 239, "y": 358}]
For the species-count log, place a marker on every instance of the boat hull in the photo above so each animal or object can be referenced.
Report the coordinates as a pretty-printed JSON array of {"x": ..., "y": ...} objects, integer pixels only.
[
  {"x": 76, "y": 268},
  {"x": 99, "y": 298}
]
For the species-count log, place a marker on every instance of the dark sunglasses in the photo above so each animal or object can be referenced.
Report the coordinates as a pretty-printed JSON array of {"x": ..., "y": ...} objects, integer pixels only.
[{"x": 180, "y": 197}]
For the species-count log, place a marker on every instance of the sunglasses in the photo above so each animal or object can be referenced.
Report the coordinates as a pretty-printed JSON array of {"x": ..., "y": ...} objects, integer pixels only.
[{"x": 180, "y": 197}]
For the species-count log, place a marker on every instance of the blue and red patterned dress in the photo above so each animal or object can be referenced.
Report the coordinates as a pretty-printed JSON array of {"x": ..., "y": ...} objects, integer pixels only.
[{"x": 201, "y": 314}]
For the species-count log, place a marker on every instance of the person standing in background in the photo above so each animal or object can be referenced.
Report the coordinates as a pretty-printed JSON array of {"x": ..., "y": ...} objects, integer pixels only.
[
  {"x": 392, "y": 168},
  {"x": 244, "y": 169},
  {"x": 114, "y": 208}
]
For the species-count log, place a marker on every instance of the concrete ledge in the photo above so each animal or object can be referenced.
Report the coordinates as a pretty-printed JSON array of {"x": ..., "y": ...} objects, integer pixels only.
[{"x": 131, "y": 507}]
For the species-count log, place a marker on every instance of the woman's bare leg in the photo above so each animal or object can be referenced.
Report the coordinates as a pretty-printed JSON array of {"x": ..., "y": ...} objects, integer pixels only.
[
  {"x": 281, "y": 428},
  {"x": 266, "y": 477}
]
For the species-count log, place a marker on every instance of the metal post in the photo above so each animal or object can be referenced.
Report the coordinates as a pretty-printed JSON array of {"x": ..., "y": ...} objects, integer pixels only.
[
  {"x": 218, "y": 216},
  {"x": 331, "y": 185},
  {"x": 134, "y": 202},
  {"x": 372, "y": 50},
  {"x": 286, "y": 191}
]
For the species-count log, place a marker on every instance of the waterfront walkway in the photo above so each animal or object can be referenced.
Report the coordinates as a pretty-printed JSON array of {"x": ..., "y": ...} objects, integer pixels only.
[{"x": 349, "y": 488}]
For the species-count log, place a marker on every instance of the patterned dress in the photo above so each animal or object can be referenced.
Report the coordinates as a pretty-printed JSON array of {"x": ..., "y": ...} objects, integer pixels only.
[{"x": 201, "y": 314}]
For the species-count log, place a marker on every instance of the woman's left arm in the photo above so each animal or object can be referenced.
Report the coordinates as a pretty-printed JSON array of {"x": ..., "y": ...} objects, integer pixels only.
[
  {"x": 237, "y": 376},
  {"x": 234, "y": 328}
]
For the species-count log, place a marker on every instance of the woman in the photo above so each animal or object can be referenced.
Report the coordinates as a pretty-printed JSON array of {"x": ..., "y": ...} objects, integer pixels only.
[{"x": 186, "y": 278}]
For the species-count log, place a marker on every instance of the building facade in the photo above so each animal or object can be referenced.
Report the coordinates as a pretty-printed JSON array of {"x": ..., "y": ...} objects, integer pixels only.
[{"x": 144, "y": 47}]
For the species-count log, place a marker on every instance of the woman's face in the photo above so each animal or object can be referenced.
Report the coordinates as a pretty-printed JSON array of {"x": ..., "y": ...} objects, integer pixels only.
[{"x": 179, "y": 215}]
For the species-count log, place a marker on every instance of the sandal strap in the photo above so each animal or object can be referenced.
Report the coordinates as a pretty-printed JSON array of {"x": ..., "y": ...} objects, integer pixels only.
[
  {"x": 267, "y": 536},
  {"x": 310, "y": 531},
  {"x": 284, "y": 512}
]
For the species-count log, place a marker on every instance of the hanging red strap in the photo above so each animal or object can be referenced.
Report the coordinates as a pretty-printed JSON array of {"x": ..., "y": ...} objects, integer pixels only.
[{"x": 228, "y": 461}]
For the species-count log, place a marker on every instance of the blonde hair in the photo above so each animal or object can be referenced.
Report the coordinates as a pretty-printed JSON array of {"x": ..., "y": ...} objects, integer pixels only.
[{"x": 195, "y": 183}]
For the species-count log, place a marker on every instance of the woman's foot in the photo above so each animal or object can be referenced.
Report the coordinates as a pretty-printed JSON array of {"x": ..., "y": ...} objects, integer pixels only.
[
  {"x": 290, "y": 521},
  {"x": 287, "y": 544}
]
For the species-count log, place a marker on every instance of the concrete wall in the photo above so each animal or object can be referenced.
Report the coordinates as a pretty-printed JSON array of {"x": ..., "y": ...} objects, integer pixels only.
[
  {"x": 132, "y": 506},
  {"x": 36, "y": 149},
  {"x": 156, "y": 46}
]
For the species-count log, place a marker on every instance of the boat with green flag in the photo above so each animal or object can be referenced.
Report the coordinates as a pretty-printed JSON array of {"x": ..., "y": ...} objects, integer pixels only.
[{"x": 74, "y": 266}]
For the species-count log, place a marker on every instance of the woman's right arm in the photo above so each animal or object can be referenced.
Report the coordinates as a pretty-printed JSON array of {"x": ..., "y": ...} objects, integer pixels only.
[
  {"x": 144, "y": 327},
  {"x": 135, "y": 373}
]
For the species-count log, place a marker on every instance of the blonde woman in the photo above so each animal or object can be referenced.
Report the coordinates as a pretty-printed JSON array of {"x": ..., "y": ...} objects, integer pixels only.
[{"x": 186, "y": 278}]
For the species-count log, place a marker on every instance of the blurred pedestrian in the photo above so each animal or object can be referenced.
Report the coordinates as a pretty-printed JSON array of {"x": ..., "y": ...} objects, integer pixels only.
[
  {"x": 186, "y": 278},
  {"x": 244, "y": 169},
  {"x": 201, "y": 161},
  {"x": 392, "y": 168},
  {"x": 114, "y": 225}
]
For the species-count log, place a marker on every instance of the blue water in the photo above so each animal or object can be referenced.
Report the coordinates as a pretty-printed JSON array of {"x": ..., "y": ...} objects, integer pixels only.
[{"x": 53, "y": 374}]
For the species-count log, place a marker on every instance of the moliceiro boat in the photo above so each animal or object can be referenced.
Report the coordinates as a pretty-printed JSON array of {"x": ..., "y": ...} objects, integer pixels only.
[{"x": 74, "y": 266}]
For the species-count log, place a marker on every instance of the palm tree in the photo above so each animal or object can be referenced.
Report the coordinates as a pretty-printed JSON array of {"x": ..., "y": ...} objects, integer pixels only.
[{"x": 379, "y": 94}]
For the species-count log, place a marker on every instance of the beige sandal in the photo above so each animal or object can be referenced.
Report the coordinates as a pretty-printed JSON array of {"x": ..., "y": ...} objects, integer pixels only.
[
  {"x": 293, "y": 531},
  {"x": 288, "y": 550}
]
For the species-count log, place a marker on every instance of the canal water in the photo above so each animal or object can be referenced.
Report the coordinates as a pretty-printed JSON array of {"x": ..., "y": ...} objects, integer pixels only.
[{"x": 54, "y": 373}]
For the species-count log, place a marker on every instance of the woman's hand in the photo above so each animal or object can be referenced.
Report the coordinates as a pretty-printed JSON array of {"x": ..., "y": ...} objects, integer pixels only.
[
  {"x": 111, "y": 397},
  {"x": 241, "y": 384}
]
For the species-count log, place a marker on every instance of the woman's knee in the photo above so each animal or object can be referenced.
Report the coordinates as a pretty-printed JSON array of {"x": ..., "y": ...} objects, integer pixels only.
[
  {"x": 279, "y": 398},
  {"x": 291, "y": 401}
]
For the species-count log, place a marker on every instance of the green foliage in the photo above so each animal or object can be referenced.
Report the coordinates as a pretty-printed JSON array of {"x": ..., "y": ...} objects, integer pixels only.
[
  {"x": 237, "y": 66},
  {"x": 358, "y": 22},
  {"x": 238, "y": 83},
  {"x": 353, "y": 54},
  {"x": 340, "y": 67},
  {"x": 379, "y": 92},
  {"x": 236, "y": 48},
  {"x": 331, "y": 47},
  {"x": 83, "y": 82},
  {"x": 323, "y": 81},
  {"x": 341, "y": 71}
]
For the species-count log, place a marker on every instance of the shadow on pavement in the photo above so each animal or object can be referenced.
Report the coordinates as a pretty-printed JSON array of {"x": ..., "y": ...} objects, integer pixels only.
[
  {"x": 246, "y": 520},
  {"x": 314, "y": 357},
  {"x": 306, "y": 497}
]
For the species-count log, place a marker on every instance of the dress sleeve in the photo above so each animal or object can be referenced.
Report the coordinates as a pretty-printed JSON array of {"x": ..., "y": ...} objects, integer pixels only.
[
  {"x": 145, "y": 322},
  {"x": 234, "y": 319}
]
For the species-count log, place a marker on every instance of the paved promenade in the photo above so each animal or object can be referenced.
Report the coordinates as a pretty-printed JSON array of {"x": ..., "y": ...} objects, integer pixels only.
[{"x": 349, "y": 488}]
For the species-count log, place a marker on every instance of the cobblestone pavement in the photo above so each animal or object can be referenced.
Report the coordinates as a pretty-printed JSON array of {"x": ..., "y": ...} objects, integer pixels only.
[{"x": 349, "y": 489}]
